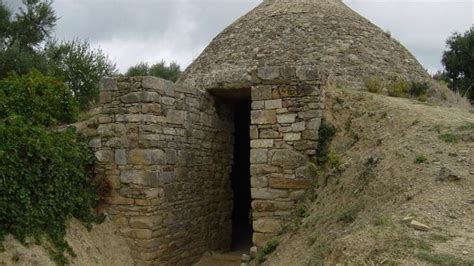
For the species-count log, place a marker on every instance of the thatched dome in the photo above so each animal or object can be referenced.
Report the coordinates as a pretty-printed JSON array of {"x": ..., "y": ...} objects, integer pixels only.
[{"x": 325, "y": 33}]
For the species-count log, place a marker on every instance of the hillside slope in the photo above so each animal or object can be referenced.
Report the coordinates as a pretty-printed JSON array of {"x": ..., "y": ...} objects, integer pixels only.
[
  {"x": 394, "y": 162},
  {"x": 101, "y": 246}
]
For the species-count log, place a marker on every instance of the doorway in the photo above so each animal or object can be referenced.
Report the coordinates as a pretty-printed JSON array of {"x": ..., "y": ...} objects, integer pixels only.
[{"x": 240, "y": 178}]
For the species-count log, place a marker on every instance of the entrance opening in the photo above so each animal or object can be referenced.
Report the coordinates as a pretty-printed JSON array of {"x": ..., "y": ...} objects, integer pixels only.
[{"x": 240, "y": 178}]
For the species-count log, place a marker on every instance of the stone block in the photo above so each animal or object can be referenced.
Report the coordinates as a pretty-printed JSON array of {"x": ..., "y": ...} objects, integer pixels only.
[
  {"x": 268, "y": 72},
  {"x": 261, "y": 143},
  {"x": 104, "y": 156},
  {"x": 273, "y": 104},
  {"x": 284, "y": 183},
  {"x": 260, "y": 239},
  {"x": 258, "y": 105},
  {"x": 288, "y": 159},
  {"x": 291, "y": 136},
  {"x": 286, "y": 118},
  {"x": 162, "y": 85},
  {"x": 267, "y": 225},
  {"x": 299, "y": 126},
  {"x": 258, "y": 156},
  {"x": 262, "y": 117},
  {"x": 108, "y": 84},
  {"x": 310, "y": 134},
  {"x": 314, "y": 123},
  {"x": 140, "y": 177},
  {"x": 267, "y": 194},
  {"x": 120, "y": 157},
  {"x": 258, "y": 181},
  {"x": 140, "y": 97},
  {"x": 263, "y": 169},
  {"x": 147, "y": 157},
  {"x": 253, "y": 132},
  {"x": 175, "y": 116},
  {"x": 261, "y": 93},
  {"x": 269, "y": 134},
  {"x": 306, "y": 73}
]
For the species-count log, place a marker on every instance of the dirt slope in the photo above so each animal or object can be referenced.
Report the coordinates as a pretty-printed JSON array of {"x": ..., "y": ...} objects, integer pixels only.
[
  {"x": 101, "y": 246},
  {"x": 393, "y": 162}
]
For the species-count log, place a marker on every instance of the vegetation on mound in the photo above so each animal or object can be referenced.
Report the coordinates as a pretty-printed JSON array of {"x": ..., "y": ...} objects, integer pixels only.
[
  {"x": 398, "y": 87},
  {"x": 46, "y": 176}
]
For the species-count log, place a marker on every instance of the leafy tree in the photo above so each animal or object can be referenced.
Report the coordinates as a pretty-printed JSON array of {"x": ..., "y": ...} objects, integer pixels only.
[
  {"x": 160, "y": 70},
  {"x": 80, "y": 67},
  {"x": 458, "y": 61}
]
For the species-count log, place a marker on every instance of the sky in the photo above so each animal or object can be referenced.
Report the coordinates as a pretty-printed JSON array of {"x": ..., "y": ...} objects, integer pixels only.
[{"x": 133, "y": 31}]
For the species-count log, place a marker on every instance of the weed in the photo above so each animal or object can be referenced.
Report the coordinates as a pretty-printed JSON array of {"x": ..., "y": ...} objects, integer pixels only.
[
  {"x": 439, "y": 238},
  {"x": 415, "y": 122},
  {"x": 334, "y": 160},
  {"x": 398, "y": 88},
  {"x": 449, "y": 138},
  {"x": 301, "y": 212},
  {"x": 443, "y": 259},
  {"x": 269, "y": 247},
  {"x": 468, "y": 126},
  {"x": 349, "y": 213},
  {"x": 420, "y": 159},
  {"x": 381, "y": 221}
]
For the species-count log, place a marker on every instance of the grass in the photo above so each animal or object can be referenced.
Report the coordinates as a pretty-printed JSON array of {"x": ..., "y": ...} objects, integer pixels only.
[
  {"x": 349, "y": 213},
  {"x": 420, "y": 159},
  {"x": 269, "y": 247},
  {"x": 443, "y": 259},
  {"x": 373, "y": 84},
  {"x": 381, "y": 221},
  {"x": 449, "y": 138}
]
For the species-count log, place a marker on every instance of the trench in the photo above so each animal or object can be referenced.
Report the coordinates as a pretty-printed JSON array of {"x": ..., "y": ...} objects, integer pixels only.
[{"x": 240, "y": 178}]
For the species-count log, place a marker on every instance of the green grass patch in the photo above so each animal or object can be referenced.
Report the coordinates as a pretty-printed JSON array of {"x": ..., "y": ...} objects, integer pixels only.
[
  {"x": 420, "y": 159},
  {"x": 349, "y": 213},
  {"x": 449, "y": 138},
  {"x": 269, "y": 247}
]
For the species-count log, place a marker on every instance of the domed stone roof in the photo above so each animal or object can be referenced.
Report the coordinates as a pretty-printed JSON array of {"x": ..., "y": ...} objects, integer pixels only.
[{"x": 323, "y": 33}]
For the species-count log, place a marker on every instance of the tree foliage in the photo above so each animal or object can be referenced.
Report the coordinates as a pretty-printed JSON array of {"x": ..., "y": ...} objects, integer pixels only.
[
  {"x": 458, "y": 61},
  {"x": 80, "y": 67},
  {"x": 27, "y": 45},
  {"x": 160, "y": 70}
]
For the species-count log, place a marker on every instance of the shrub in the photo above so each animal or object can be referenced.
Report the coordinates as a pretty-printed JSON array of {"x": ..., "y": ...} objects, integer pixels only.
[
  {"x": 40, "y": 99},
  {"x": 326, "y": 134},
  {"x": 418, "y": 89},
  {"x": 420, "y": 159},
  {"x": 349, "y": 213},
  {"x": 373, "y": 84},
  {"x": 45, "y": 178},
  {"x": 398, "y": 88}
]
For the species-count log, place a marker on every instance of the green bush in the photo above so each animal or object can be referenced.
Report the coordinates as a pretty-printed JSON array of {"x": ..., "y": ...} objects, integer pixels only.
[
  {"x": 45, "y": 178},
  {"x": 326, "y": 134},
  {"x": 418, "y": 89},
  {"x": 40, "y": 99}
]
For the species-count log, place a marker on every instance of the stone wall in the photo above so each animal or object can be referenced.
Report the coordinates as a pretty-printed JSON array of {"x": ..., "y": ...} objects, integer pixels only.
[
  {"x": 287, "y": 108},
  {"x": 167, "y": 153}
]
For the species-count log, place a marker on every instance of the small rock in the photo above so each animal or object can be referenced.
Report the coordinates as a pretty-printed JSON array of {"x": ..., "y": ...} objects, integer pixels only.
[
  {"x": 407, "y": 219},
  {"x": 464, "y": 252},
  {"x": 245, "y": 258},
  {"x": 446, "y": 174},
  {"x": 419, "y": 226},
  {"x": 253, "y": 251}
]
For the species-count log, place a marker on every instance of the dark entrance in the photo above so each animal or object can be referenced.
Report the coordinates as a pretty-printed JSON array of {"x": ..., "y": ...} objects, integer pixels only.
[{"x": 240, "y": 178}]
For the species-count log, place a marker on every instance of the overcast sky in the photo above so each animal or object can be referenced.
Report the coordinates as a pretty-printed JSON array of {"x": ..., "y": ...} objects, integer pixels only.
[{"x": 131, "y": 31}]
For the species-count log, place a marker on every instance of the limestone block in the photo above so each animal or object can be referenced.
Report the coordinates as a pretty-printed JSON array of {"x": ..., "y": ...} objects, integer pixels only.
[
  {"x": 259, "y": 181},
  {"x": 153, "y": 108},
  {"x": 106, "y": 130},
  {"x": 162, "y": 85},
  {"x": 263, "y": 169},
  {"x": 108, "y": 84},
  {"x": 140, "y": 177},
  {"x": 288, "y": 159},
  {"x": 269, "y": 134},
  {"x": 258, "y": 105},
  {"x": 311, "y": 134},
  {"x": 267, "y": 225},
  {"x": 147, "y": 157},
  {"x": 253, "y": 132},
  {"x": 292, "y": 136},
  {"x": 273, "y": 104},
  {"x": 175, "y": 116},
  {"x": 167, "y": 100},
  {"x": 95, "y": 143},
  {"x": 286, "y": 118},
  {"x": 285, "y": 183},
  {"x": 268, "y": 72},
  {"x": 305, "y": 73},
  {"x": 264, "y": 193},
  {"x": 261, "y": 143},
  {"x": 260, "y": 239},
  {"x": 261, "y": 93},
  {"x": 104, "y": 156},
  {"x": 261, "y": 117},
  {"x": 314, "y": 123},
  {"x": 120, "y": 157},
  {"x": 271, "y": 206},
  {"x": 140, "y": 97},
  {"x": 258, "y": 156}
]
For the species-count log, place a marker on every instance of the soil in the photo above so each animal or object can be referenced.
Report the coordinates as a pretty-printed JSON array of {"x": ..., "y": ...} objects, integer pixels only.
[{"x": 101, "y": 246}]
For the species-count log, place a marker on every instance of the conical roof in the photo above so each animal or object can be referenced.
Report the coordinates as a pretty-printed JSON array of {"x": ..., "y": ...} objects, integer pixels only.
[{"x": 325, "y": 33}]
